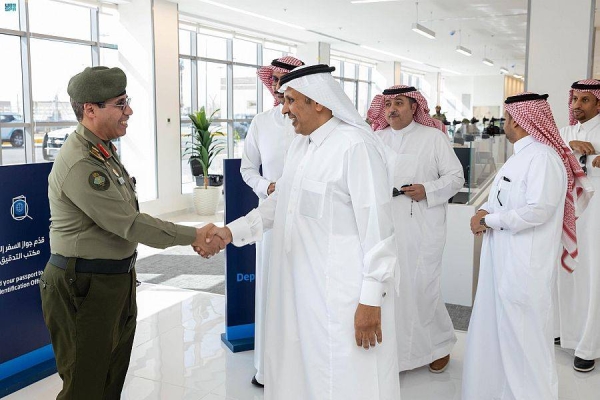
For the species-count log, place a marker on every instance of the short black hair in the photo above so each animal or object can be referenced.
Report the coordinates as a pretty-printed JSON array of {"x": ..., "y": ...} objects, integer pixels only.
[{"x": 77, "y": 109}]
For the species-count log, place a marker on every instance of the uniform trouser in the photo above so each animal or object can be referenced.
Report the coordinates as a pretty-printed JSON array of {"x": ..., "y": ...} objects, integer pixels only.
[{"x": 91, "y": 319}]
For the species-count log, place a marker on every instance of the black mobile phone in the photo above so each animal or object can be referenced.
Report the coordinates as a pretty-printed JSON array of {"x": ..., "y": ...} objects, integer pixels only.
[{"x": 403, "y": 186}]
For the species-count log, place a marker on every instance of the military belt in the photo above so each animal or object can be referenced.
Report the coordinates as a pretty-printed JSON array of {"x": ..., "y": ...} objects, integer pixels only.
[{"x": 96, "y": 266}]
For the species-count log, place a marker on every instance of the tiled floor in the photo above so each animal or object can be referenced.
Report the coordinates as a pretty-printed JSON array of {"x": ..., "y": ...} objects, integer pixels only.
[{"x": 178, "y": 354}]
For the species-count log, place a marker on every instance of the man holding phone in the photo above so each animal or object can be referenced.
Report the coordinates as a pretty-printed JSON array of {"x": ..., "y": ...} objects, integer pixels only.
[{"x": 427, "y": 174}]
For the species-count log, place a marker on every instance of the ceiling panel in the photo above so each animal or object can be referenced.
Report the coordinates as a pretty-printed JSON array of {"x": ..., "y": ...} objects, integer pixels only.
[{"x": 496, "y": 27}]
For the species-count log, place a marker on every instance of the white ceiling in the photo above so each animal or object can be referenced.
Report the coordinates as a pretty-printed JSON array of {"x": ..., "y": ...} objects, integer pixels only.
[{"x": 500, "y": 25}]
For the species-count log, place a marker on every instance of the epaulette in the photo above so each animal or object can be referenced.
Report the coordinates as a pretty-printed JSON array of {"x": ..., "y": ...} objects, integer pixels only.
[{"x": 94, "y": 152}]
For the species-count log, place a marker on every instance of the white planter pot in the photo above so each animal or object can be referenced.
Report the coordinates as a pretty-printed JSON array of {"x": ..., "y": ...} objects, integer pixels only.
[{"x": 206, "y": 200}]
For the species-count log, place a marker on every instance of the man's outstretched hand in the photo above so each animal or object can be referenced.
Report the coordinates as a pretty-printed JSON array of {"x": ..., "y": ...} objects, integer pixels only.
[
  {"x": 207, "y": 248},
  {"x": 216, "y": 234}
]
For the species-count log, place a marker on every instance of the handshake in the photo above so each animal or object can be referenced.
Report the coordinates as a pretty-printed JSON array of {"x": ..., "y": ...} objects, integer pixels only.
[{"x": 211, "y": 239}]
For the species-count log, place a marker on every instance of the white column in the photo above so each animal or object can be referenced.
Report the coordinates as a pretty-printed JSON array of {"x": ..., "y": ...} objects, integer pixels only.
[
  {"x": 168, "y": 142},
  {"x": 314, "y": 53},
  {"x": 390, "y": 71},
  {"x": 138, "y": 147},
  {"x": 559, "y": 49}
]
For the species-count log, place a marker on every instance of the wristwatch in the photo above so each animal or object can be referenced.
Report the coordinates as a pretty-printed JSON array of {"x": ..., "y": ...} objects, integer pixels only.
[{"x": 482, "y": 223}]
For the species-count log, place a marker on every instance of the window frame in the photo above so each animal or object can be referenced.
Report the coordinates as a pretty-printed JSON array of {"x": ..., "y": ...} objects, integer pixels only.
[
  {"x": 185, "y": 27},
  {"x": 25, "y": 35}
]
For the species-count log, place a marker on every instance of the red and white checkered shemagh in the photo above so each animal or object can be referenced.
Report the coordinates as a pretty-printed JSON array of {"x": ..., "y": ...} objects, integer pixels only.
[
  {"x": 376, "y": 113},
  {"x": 265, "y": 74},
  {"x": 595, "y": 92},
  {"x": 535, "y": 116}
]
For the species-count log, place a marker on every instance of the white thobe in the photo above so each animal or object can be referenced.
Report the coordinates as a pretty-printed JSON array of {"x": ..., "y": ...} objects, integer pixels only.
[
  {"x": 265, "y": 147},
  {"x": 509, "y": 353},
  {"x": 579, "y": 292},
  {"x": 333, "y": 247},
  {"x": 423, "y": 155}
]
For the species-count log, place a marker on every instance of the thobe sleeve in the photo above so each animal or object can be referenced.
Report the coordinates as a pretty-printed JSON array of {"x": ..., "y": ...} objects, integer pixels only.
[
  {"x": 485, "y": 206},
  {"x": 249, "y": 229},
  {"x": 544, "y": 188},
  {"x": 368, "y": 187},
  {"x": 251, "y": 161},
  {"x": 451, "y": 178}
]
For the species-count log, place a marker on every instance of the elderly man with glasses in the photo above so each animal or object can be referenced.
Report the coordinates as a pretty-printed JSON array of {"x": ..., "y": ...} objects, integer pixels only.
[{"x": 88, "y": 286}]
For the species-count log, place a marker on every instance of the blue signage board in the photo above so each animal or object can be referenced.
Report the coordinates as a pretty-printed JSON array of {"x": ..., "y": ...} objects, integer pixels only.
[
  {"x": 25, "y": 351},
  {"x": 240, "y": 264}
]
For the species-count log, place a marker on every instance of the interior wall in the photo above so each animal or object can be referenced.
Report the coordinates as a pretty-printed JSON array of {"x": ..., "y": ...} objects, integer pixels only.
[
  {"x": 455, "y": 89},
  {"x": 430, "y": 90},
  {"x": 560, "y": 52}
]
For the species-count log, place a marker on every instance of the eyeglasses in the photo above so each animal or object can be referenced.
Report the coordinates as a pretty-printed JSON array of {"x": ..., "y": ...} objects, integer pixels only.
[
  {"x": 583, "y": 162},
  {"x": 122, "y": 104}
]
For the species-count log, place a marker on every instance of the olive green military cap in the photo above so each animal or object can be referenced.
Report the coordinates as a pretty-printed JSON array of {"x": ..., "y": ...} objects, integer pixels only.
[{"x": 97, "y": 84}]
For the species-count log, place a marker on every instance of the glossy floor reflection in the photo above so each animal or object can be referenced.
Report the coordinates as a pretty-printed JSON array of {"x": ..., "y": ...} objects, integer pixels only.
[{"x": 178, "y": 355}]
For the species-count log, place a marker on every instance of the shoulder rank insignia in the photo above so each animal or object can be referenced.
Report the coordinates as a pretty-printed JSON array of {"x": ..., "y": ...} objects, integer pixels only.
[
  {"x": 99, "y": 181},
  {"x": 96, "y": 154},
  {"x": 104, "y": 152}
]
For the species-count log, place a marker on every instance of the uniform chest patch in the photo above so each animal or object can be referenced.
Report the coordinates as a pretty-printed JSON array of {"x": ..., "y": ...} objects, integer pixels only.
[{"x": 99, "y": 181}]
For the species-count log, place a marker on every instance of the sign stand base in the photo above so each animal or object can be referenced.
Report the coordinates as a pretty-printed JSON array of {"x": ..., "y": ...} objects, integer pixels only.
[{"x": 238, "y": 345}]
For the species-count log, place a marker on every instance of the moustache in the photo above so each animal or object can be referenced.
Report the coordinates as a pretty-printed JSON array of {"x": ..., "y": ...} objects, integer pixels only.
[{"x": 392, "y": 114}]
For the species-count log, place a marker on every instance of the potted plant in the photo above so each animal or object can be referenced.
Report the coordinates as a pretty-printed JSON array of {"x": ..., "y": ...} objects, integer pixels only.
[{"x": 203, "y": 147}]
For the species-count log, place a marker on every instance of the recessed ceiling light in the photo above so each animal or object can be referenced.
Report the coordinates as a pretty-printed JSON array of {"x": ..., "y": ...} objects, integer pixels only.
[
  {"x": 371, "y": 1},
  {"x": 255, "y": 15},
  {"x": 503, "y": 70},
  {"x": 392, "y": 54},
  {"x": 451, "y": 71}
]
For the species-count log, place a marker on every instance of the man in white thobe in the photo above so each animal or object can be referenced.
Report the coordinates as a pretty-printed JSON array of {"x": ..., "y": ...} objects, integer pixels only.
[
  {"x": 426, "y": 161},
  {"x": 579, "y": 292},
  {"x": 509, "y": 353},
  {"x": 330, "y": 318},
  {"x": 266, "y": 144}
]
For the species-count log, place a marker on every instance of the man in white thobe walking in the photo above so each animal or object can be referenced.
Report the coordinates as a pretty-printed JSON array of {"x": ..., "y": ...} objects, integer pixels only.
[
  {"x": 266, "y": 144},
  {"x": 509, "y": 353},
  {"x": 428, "y": 173},
  {"x": 330, "y": 317},
  {"x": 579, "y": 292}
]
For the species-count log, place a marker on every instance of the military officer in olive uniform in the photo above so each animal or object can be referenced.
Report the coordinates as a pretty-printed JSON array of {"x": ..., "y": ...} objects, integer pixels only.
[{"x": 88, "y": 285}]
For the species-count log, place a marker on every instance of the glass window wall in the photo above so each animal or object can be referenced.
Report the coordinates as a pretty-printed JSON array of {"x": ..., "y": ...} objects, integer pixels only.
[{"x": 218, "y": 72}]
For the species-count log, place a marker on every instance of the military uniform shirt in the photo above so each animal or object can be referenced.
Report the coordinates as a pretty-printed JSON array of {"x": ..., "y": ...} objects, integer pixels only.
[{"x": 94, "y": 213}]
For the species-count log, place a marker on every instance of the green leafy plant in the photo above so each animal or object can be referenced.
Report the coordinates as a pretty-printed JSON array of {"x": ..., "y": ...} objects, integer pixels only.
[{"x": 205, "y": 145}]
